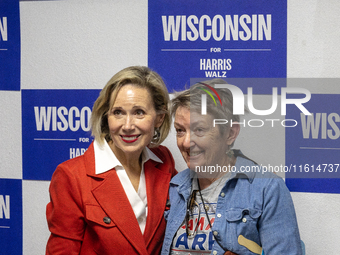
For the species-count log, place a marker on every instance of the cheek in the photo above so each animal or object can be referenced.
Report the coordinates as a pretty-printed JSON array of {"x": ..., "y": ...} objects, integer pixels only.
[
  {"x": 216, "y": 137},
  {"x": 205, "y": 142},
  {"x": 180, "y": 143},
  {"x": 115, "y": 126},
  {"x": 112, "y": 124},
  {"x": 146, "y": 127}
]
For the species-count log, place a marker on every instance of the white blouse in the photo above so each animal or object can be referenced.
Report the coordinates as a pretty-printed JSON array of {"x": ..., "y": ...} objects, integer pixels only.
[{"x": 105, "y": 160}]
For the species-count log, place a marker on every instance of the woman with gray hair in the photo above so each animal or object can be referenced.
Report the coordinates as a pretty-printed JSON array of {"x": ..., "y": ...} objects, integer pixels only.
[
  {"x": 216, "y": 206},
  {"x": 111, "y": 200}
]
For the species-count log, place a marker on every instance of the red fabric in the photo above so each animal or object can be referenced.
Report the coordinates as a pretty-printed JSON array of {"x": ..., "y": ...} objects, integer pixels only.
[{"x": 80, "y": 200}]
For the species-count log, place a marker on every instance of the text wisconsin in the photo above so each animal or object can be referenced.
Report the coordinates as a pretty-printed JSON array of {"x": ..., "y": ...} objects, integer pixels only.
[
  {"x": 60, "y": 118},
  {"x": 228, "y": 27}
]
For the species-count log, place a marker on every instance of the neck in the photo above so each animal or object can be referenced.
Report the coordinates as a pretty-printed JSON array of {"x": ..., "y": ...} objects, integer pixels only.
[
  {"x": 206, "y": 182},
  {"x": 130, "y": 161}
]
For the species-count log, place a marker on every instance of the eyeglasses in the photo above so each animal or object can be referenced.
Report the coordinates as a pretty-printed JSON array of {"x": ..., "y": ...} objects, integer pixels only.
[{"x": 190, "y": 205}]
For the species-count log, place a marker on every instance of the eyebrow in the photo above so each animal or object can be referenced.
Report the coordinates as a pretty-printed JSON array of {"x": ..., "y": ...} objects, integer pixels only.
[
  {"x": 134, "y": 107},
  {"x": 176, "y": 123},
  {"x": 199, "y": 122}
]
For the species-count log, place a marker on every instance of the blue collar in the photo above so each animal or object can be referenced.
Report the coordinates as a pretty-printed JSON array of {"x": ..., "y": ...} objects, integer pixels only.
[{"x": 183, "y": 179}]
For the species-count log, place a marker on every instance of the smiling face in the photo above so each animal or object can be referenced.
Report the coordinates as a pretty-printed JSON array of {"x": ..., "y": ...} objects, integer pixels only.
[
  {"x": 132, "y": 119},
  {"x": 200, "y": 143}
]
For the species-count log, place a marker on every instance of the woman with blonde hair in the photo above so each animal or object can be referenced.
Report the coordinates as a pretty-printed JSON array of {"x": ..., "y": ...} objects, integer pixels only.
[{"x": 111, "y": 200}]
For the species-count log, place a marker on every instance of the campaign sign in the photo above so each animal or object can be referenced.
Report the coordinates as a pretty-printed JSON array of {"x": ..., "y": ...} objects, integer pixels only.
[
  {"x": 219, "y": 39},
  {"x": 55, "y": 128},
  {"x": 312, "y": 146},
  {"x": 9, "y": 45},
  {"x": 10, "y": 216}
]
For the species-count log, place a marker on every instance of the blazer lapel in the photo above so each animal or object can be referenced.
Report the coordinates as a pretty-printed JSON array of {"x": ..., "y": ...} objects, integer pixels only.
[
  {"x": 112, "y": 198},
  {"x": 157, "y": 187}
]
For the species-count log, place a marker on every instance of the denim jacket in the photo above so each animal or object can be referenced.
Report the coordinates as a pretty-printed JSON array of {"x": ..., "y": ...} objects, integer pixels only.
[{"x": 253, "y": 204}]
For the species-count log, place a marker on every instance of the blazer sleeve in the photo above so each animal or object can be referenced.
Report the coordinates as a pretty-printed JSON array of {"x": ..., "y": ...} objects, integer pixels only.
[{"x": 64, "y": 213}]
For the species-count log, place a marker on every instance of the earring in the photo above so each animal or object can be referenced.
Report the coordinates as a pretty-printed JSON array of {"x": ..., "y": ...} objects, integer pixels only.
[
  {"x": 156, "y": 136},
  {"x": 230, "y": 153}
]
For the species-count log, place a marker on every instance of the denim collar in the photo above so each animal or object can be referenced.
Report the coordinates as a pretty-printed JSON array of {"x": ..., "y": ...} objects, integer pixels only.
[{"x": 183, "y": 179}]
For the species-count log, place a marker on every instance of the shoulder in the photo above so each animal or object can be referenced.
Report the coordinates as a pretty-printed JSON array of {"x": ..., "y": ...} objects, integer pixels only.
[
  {"x": 181, "y": 177},
  {"x": 268, "y": 178},
  {"x": 77, "y": 165},
  {"x": 164, "y": 154},
  {"x": 250, "y": 169},
  {"x": 271, "y": 186},
  {"x": 258, "y": 177}
]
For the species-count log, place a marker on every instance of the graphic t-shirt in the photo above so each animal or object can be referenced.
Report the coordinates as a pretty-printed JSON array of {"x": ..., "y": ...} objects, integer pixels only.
[{"x": 201, "y": 238}]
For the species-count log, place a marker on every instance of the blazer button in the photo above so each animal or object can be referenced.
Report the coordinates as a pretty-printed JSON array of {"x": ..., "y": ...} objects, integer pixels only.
[{"x": 107, "y": 220}]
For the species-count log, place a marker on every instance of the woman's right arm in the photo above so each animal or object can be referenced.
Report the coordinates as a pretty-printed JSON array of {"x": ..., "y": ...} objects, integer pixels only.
[{"x": 64, "y": 213}]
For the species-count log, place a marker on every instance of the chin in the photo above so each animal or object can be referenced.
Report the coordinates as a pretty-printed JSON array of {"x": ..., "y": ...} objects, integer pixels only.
[{"x": 193, "y": 166}]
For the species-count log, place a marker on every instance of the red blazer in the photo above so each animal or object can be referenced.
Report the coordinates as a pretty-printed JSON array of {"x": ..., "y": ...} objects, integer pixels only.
[{"x": 91, "y": 214}]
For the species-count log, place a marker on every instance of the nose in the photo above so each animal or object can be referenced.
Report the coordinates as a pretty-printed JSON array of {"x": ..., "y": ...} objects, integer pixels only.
[
  {"x": 129, "y": 123},
  {"x": 187, "y": 143}
]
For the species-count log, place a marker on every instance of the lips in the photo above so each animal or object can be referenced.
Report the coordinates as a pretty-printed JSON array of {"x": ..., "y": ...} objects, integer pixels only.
[
  {"x": 194, "y": 153},
  {"x": 192, "y": 157},
  {"x": 130, "y": 138}
]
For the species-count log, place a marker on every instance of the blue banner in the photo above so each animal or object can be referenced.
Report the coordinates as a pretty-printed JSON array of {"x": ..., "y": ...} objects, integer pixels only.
[
  {"x": 9, "y": 45},
  {"x": 222, "y": 39},
  {"x": 312, "y": 147},
  {"x": 55, "y": 128},
  {"x": 11, "y": 216}
]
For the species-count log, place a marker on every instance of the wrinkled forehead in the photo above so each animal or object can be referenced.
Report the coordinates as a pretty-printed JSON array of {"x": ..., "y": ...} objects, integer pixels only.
[{"x": 185, "y": 117}]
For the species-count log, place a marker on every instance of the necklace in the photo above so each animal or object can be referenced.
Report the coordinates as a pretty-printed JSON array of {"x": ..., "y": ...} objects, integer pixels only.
[
  {"x": 212, "y": 192},
  {"x": 206, "y": 213}
]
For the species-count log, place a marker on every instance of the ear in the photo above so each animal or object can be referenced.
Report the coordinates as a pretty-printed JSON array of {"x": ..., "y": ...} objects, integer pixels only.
[
  {"x": 234, "y": 130},
  {"x": 159, "y": 120}
]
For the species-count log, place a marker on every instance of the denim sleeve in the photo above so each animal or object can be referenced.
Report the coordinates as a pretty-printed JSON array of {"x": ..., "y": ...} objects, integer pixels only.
[{"x": 278, "y": 227}]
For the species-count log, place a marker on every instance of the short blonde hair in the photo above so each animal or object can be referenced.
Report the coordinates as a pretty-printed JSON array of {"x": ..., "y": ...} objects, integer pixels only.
[{"x": 140, "y": 76}]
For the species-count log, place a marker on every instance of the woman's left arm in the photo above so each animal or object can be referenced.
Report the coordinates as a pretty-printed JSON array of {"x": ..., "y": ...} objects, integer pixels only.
[{"x": 278, "y": 228}]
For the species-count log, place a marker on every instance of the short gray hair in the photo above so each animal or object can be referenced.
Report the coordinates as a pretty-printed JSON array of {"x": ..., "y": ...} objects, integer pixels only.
[{"x": 191, "y": 99}]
